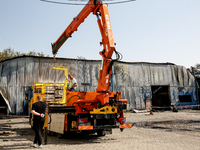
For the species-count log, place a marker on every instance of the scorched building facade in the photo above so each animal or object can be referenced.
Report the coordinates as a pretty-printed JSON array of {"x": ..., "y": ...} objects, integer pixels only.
[{"x": 142, "y": 84}]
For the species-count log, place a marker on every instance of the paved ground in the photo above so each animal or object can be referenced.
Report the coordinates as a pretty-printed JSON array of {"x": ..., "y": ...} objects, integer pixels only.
[{"x": 162, "y": 130}]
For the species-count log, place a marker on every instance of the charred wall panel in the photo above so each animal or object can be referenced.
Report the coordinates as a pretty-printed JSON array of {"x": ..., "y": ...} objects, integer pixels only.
[
  {"x": 21, "y": 63},
  {"x": 87, "y": 71},
  {"x": 20, "y": 95},
  {"x": 80, "y": 74},
  {"x": 43, "y": 72},
  {"x": 52, "y": 73},
  {"x": 5, "y": 74},
  {"x": 129, "y": 78},
  {"x": 12, "y": 92},
  {"x": 12, "y": 80},
  {"x": 95, "y": 74},
  {"x": 36, "y": 70},
  {"x": 29, "y": 75}
]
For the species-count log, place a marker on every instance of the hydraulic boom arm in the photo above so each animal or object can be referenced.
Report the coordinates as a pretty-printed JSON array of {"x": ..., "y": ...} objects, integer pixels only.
[
  {"x": 101, "y": 11},
  {"x": 98, "y": 111}
]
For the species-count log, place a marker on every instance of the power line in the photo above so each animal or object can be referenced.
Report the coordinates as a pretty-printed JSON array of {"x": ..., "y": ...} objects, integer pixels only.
[{"x": 84, "y": 4}]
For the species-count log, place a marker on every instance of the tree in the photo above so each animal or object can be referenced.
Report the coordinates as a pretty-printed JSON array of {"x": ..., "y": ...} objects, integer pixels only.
[
  {"x": 197, "y": 66},
  {"x": 10, "y": 53}
]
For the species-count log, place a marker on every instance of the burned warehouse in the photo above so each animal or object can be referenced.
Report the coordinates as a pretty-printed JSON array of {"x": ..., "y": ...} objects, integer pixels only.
[{"x": 142, "y": 84}]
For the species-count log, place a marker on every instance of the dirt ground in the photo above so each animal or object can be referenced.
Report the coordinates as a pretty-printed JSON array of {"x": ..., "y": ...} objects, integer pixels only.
[{"x": 162, "y": 130}]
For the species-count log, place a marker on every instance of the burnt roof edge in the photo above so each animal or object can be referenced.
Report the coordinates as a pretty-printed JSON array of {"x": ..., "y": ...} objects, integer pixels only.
[{"x": 167, "y": 63}]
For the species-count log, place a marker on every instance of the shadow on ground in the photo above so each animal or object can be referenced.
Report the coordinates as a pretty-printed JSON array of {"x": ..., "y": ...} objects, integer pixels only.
[
  {"x": 14, "y": 136},
  {"x": 172, "y": 125}
]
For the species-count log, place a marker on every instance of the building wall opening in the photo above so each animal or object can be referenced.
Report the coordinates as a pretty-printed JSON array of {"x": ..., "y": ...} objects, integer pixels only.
[
  {"x": 198, "y": 81},
  {"x": 3, "y": 106},
  {"x": 185, "y": 98},
  {"x": 160, "y": 97}
]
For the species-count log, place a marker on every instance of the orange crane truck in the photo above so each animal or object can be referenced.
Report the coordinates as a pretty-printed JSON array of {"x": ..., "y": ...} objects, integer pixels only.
[{"x": 99, "y": 111}]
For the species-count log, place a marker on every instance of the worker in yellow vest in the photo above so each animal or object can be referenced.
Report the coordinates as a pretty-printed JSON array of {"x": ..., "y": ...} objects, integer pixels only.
[{"x": 72, "y": 83}]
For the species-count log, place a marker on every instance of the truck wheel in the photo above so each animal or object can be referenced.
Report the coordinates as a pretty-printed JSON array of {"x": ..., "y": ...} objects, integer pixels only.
[
  {"x": 32, "y": 127},
  {"x": 49, "y": 133},
  {"x": 101, "y": 133},
  {"x": 59, "y": 135}
]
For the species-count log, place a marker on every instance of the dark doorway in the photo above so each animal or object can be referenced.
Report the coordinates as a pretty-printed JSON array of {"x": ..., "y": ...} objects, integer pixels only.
[
  {"x": 198, "y": 81},
  {"x": 185, "y": 98},
  {"x": 160, "y": 97},
  {"x": 3, "y": 106}
]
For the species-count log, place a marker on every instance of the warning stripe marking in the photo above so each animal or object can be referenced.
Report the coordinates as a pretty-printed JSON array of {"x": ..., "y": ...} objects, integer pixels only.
[
  {"x": 125, "y": 126},
  {"x": 85, "y": 127}
]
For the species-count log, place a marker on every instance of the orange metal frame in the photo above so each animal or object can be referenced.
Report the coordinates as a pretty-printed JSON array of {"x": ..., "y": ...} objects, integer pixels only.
[
  {"x": 88, "y": 100},
  {"x": 102, "y": 93}
]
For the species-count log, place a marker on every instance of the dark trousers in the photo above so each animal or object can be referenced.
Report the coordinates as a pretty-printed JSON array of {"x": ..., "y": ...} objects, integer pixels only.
[
  {"x": 72, "y": 89},
  {"x": 37, "y": 126}
]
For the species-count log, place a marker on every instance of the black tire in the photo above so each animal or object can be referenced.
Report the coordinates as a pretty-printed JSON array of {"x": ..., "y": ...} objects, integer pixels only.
[
  {"x": 60, "y": 136},
  {"x": 101, "y": 133},
  {"x": 49, "y": 133}
]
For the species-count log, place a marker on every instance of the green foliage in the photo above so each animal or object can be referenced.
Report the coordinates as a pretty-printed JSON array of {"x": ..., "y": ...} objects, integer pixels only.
[
  {"x": 10, "y": 53},
  {"x": 197, "y": 66}
]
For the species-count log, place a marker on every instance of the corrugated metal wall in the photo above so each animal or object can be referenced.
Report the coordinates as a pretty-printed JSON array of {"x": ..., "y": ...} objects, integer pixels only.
[
  {"x": 130, "y": 78},
  {"x": 18, "y": 74}
]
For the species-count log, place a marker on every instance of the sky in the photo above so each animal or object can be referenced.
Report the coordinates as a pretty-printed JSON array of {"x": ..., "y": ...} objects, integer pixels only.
[{"x": 157, "y": 31}]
